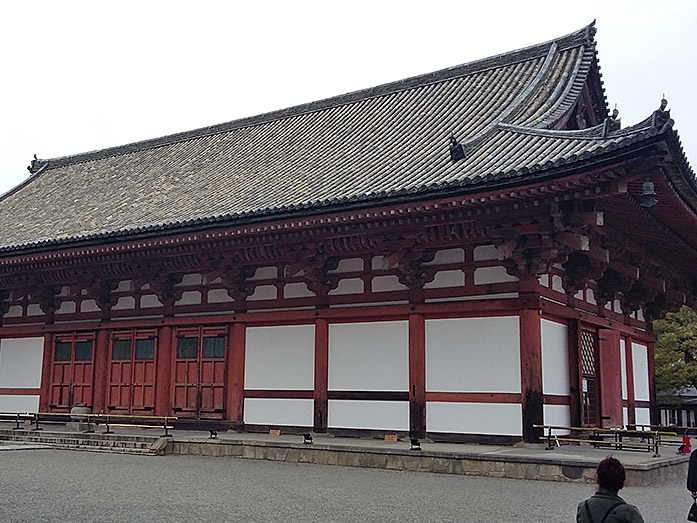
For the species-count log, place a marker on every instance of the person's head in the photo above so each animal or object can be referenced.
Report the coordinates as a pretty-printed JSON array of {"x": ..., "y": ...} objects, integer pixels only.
[{"x": 610, "y": 474}]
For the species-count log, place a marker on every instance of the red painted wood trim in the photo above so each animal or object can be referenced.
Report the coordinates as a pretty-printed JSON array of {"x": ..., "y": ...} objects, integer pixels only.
[
  {"x": 46, "y": 373},
  {"x": 235, "y": 382},
  {"x": 417, "y": 376},
  {"x": 555, "y": 399},
  {"x": 101, "y": 363},
  {"x": 631, "y": 415},
  {"x": 531, "y": 372},
  {"x": 163, "y": 371},
  {"x": 321, "y": 406},
  {"x": 20, "y": 391},
  {"x": 474, "y": 397},
  {"x": 280, "y": 394},
  {"x": 368, "y": 395},
  {"x": 642, "y": 405}
]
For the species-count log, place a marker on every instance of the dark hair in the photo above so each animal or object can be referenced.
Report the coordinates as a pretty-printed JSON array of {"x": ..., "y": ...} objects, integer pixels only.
[{"x": 611, "y": 474}]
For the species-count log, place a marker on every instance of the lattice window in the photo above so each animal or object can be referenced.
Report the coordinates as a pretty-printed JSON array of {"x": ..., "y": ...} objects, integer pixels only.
[{"x": 588, "y": 353}]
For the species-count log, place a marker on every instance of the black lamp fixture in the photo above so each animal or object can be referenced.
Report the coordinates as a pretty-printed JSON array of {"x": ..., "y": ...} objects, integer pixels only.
[
  {"x": 214, "y": 434},
  {"x": 648, "y": 195},
  {"x": 415, "y": 444},
  {"x": 307, "y": 439}
]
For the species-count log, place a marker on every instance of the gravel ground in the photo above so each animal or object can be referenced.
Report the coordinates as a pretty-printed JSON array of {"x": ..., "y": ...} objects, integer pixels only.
[{"x": 69, "y": 486}]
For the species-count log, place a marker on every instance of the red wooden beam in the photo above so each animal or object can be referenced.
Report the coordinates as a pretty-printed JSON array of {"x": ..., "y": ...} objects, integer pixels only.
[
  {"x": 46, "y": 372},
  {"x": 531, "y": 372},
  {"x": 101, "y": 363},
  {"x": 163, "y": 377},
  {"x": 417, "y": 376},
  {"x": 235, "y": 372}
]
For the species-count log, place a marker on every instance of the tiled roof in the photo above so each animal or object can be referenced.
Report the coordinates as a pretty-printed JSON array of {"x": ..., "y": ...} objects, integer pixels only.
[{"x": 388, "y": 141}]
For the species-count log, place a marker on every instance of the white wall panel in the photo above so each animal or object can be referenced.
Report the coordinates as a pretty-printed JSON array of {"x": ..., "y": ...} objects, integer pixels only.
[
  {"x": 559, "y": 415},
  {"x": 297, "y": 290},
  {"x": 279, "y": 411},
  {"x": 488, "y": 252},
  {"x": 474, "y": 418},
  {"x": 446, "y": 279},
  {"x": 348, "y": 286},
  {"x": 623, "y": 365},
  {"x": 19, "y": 403},
  {"x": 640, "y": 362},
  {"x": 264, "y": 292},
  {"x": 386, "y": 284},
  {"x": 642, "y": 416},
  {"x": 447, "y": 256},
  {"x": 625, "y": 415},
  {"x": 363, "y": 414},
  {"x": 473, "y": 355},
  {"x": 218, "y": 296},
  {"x": 280, "y": 358},
  {"x": 486, "y": 275},
  {"x": 555, "y": 358},
  {"x": 21, "y": 361},
  {"x": 369, "y": 356}
]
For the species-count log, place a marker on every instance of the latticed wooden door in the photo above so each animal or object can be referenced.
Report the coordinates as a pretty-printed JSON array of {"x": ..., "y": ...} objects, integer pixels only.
[
  {"x": 132, "y": 372},
  {"x": 589, "y": 378},
  {"x": 72, "y": 371}
]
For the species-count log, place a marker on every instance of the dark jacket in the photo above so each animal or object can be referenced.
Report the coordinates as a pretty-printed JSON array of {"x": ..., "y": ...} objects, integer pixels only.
[
  {"x": 692, "y": 473},
  {"x": 599, "y": 503}
]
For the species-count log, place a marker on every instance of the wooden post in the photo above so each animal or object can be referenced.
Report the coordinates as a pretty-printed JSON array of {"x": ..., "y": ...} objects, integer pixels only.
[
  {"x": 101, "y": 362},
  {"x": 417, "y": 376},
  {"x": 575, "y": 382},
  {"x": 631, "y": 402},
  {"x": 45, "y": 395},
  {"x": 163, "y": 373},
  {"x": 531, "y": 373},
  {"x": 235, "y": 385},
  {"x": 321, "y": 375},
  {"x": 610, "y": 374},
  {"x": 655, "y": 416}
]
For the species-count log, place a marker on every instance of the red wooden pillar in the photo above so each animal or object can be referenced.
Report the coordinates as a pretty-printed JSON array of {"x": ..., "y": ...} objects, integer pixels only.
[
  {"x": 417, "y": 376},
  {"x": 631, "y": 402},
  {"x": 531, "y": 373},
  {"x": 321, "y": 375},
  {"x": 235, "y": 382},
  {"x": 45, "y": 394},
  {"x": 163, "y": 373},
  {"x": 575, "y": 382},
  {"x": 610, "y": 374},
  {"x": 101, "y": 363}
]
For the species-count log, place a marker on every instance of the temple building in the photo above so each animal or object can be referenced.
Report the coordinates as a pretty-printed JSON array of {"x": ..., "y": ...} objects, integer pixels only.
[{"x": 460, "y": 255}]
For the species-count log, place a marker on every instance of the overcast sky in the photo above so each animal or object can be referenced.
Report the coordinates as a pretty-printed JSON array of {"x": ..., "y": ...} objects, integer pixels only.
[{"x": 81, "y": 76}]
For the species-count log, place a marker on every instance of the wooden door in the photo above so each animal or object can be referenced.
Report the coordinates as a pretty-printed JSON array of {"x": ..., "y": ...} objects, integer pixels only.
[
  {"x": 132, "y": 372},
  {"x": 610, "y": 375},
  {"x": 72, "y": 371},
  {"x": 589, "y": 378},
  {"x": 199, "y": 373}
]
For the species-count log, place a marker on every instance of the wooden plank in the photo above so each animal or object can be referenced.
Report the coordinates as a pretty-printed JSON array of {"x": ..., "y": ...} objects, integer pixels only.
[
  {"x": 474, "y": 397},
  {"x": 280, "y": 394},
  {"x": 575, "y": 383},
  {"x": 101, "y": 362},
  {"x": 46, "y": 372},
  {"x": 631, "y": 402},
  {"x": 321, "y": 407}
]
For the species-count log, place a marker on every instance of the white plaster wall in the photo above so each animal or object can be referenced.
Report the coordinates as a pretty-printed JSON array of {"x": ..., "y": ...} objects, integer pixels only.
[
  {"x": 486, "y": 275},
  {"x": 386, "y": 284},
  {"x": 362, "y": 414},
  {"x": 473, "y": 355},
  {"x": 448, "y": 256},
  {"x": 487, "y": 252},
  {"x": 369, "y": 356},
  {"x": 19, "y": 403},
  {"x": 125, "y": 303},
  {"x": 280, "y": 358},
  {"x": 279, "y": 411},
  {"x": 189, "y": 298},
  {"x": 623, "y": 366},
  {"x": 218, "y": 296},
  {"x": 555, "y": 358},
  {"x": 642, "y": 416},
  {"x": 89, "y": 306},
  {"x": 641, "y": 372},
  {"x": 557, "y": 283},
  {"x": 14, "y": 311},
  {"x": 625, "y": 415},
  {"x": 297, "y": 290},
  {"x": 446, "y": 279},
  {"x": 559, "y": 415},
  {"x": 475, "y": 418},
  {"x": 544, "y": 280},
  {"x": 348, "y": 286},
  {"x": 21, "y": 361},
  {"x": 151, "y": 301},
  {"x": 190, "y": 279},
  {"x": 265, "y": 273},
  {"x": 348, "y": 265},
  {"x": 264, "y": 292},
  {"x": 66, "y": 307},
  {"x": 34, "y": 309}
]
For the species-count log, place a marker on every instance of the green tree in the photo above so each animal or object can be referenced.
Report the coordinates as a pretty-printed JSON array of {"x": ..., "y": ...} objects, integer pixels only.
[{"x": 676, "y": 351}]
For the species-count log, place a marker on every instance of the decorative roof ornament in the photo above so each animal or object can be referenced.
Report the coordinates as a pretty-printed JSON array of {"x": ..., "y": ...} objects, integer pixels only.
[
  {"x": 37, "y": 165},
  {"x": 457, "y": 152},
  {"x": 660, "y": 116},
  {"x": 612, "y": 123}
]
